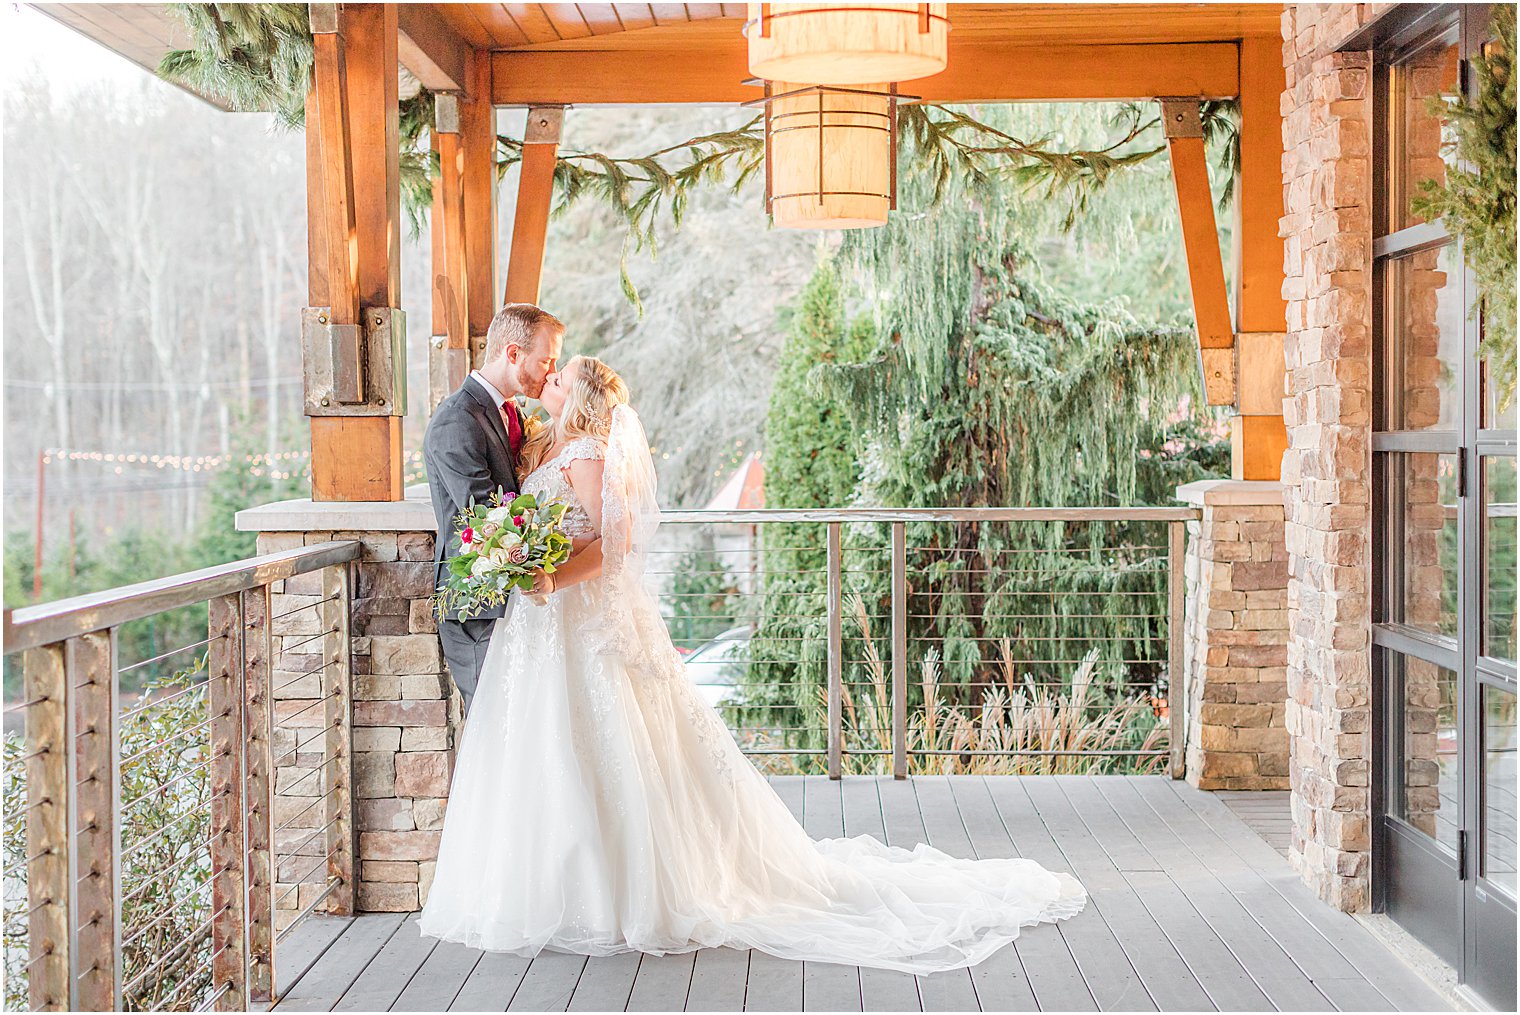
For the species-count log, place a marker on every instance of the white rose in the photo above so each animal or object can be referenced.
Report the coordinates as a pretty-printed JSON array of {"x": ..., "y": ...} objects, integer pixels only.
[
  {"x": 481, "y": 567},
  {"x": 498, "y": 557},
  {"x": 499, "y": 516}
]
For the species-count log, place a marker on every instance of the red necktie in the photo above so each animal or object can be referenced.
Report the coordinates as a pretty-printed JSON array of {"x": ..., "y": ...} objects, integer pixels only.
[{"x": 514, "y": 427}]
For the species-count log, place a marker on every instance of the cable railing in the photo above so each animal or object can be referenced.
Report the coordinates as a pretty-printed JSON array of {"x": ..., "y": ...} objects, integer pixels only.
[
  {"x": 176, "y": 804},
  {"x": 993, "y": 640},
  {"x": 141, "y": 849}
]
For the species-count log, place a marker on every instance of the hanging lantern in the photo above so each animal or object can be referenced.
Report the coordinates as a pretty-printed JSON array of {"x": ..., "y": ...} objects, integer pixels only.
[
  {"x": 835, "y": 44},
  {"x": 830, "y": 154}
]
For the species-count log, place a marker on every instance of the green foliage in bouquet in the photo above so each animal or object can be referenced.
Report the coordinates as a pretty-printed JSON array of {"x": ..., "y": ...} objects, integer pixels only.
[{"x": 503, "y": 543}]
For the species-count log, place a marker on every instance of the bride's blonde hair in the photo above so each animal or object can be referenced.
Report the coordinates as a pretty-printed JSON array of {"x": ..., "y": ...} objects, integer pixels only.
[{"x": 587, "y": 411}]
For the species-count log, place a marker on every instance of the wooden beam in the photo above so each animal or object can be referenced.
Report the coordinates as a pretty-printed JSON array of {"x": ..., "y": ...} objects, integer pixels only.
[
  {"x": 374, "y": 142},
  {"x": 1200, "y": 235},
  {"x": 535, "y": 190},
  {"x": 1260, "y": 439},
  {"x": 477, "y": 141},
  {"x": 1258, "y": 265},
  {"x": 977, "y": 72},
  {"x": 334, "y": 278},
  {"x": 431, "y": 49},
  {"x": 355, "y": 228},
  {"x": 453, "y": 281},
  {"x": 1257, "y": 445}
]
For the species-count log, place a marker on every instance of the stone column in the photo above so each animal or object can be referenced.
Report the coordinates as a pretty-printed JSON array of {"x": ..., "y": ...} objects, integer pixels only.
[
  {"x": 1327, "y": 244},
  {"x": 1235, "y": 636},
  {"x": 406, "y": 711}
]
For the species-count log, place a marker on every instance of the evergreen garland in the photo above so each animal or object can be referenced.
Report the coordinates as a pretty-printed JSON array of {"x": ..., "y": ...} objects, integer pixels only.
[
  {"x": 257, "y": 57},
  {"x": 1478, "y": 203}
]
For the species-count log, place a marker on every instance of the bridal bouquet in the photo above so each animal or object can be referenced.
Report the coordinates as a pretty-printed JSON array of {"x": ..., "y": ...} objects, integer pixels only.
[{"x": 501, "y": 544}]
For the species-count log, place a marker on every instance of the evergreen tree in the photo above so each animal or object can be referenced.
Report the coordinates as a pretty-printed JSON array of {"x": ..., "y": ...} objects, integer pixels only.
[{"x": 985, "y": 387}]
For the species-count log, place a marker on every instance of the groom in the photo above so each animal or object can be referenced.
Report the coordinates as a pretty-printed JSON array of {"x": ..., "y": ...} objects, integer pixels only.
[{"x": 472, "y": 446}]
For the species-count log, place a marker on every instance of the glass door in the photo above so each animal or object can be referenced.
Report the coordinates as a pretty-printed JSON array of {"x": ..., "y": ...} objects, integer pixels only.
[{"x": 1444, "y": 525}]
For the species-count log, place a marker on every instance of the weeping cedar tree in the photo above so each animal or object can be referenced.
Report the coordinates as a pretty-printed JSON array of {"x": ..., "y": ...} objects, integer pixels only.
[{"x": 983, "y": 386}]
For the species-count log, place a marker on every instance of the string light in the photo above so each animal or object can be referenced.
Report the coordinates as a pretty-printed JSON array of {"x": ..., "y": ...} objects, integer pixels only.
[{"x": 259, "y": 465}]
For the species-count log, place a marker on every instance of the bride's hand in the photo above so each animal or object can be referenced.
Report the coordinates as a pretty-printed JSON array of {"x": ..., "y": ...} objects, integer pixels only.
[{"x": 543, "y": 585}]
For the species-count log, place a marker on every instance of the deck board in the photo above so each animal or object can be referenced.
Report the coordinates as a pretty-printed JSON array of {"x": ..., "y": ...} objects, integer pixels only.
[{"x": 1190, "y": 908}]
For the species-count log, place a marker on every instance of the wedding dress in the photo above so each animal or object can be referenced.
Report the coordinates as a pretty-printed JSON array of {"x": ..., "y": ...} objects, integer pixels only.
[{"x": 600, "y": 805}]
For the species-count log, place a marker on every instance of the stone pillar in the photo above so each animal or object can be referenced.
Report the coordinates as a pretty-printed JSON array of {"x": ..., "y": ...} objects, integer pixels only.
[
  {"x": 1235, "y": 636},
  {"x": 406, "y": 712},
  {"x": 1327, "y": 241}
]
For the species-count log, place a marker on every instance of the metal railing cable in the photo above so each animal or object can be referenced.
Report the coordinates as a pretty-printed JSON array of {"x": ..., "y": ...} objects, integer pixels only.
[{"x": 158, "y": 771}]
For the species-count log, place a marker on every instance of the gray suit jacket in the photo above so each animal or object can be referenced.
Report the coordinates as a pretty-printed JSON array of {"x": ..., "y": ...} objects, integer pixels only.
[{"x": 467, "y": 456}]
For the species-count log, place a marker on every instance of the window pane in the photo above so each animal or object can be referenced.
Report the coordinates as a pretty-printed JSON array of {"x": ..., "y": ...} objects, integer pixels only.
[
  {"x": 1498, "y": 860},
  {"x": 1498, "y": 401},
  {"x": 1423, "y": 336},
  {"x": 1419, "y": 135},
  {"x": 1499, "y": 556},
  {"x": 1430, "y": 793},
  {"x": 1423, "y": 541}
]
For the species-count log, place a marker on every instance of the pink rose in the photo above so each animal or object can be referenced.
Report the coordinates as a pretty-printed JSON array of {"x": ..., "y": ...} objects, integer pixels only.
[
  {"x": 467, "y": 537},
  {"x": 518, "y": 554}
]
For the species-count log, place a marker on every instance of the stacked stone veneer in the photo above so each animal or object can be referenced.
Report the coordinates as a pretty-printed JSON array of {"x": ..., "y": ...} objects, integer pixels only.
[
  {"x": 405, "y": 713},
  {"x": 1235, "y": 638},
  {"x": 1327, "y": 239}
]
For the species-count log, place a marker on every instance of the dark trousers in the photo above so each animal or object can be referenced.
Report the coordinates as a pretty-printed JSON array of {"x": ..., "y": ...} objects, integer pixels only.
[{"x": 464, "y": 646}]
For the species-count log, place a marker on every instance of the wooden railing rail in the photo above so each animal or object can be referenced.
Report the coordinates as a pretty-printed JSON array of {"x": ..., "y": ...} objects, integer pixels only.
[{"x": 83, "y": 925}]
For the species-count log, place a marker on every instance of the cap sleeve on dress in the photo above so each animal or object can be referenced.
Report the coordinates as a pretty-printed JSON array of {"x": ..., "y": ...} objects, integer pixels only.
[{"x": 582, "y": 447}]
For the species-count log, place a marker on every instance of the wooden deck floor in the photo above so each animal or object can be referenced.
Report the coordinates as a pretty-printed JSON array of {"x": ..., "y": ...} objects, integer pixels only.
[{"x": 1190, "y": 910}]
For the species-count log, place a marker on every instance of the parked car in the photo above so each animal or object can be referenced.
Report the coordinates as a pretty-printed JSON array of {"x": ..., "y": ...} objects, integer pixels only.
[{"x": 715, "y": 668}]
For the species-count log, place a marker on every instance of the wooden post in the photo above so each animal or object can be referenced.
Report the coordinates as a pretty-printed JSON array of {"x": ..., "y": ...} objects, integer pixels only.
[
  {"x": 477, "y": 141},
  {"x": 224, "y": 707},
  {"x": 49, "y": 725},
  {"x": 337, "y": 687},
  {"x": 95, "y": 828},
  {"x": 899, "y": 650},
  {"x": 450, "y": 356},
  {"x": 535, "y": 190},
  {"x": 1200, "y": 239},
  {"x": 353, "y": 213},
  {"x": 1259, "y": 437},
  {"x": 258, "y": 769}
]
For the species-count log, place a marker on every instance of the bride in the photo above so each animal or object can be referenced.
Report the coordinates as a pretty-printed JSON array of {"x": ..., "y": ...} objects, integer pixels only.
[{"x": 600, "y": 805}]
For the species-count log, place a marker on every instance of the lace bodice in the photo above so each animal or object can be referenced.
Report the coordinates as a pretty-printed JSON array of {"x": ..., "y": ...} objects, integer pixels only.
[{"x": 548, "y": 482}]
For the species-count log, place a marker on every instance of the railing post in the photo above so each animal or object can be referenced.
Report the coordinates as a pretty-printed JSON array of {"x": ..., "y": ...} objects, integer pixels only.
[
  {"x": 836, "y": 650},
  {"x": 1176, "y": 662},
  {"x": 337, "y": 684},
  {"x": 48, "y": 778},
  {"x": 899, "y": 650},
  {"x": 95, "y": 831},
  {"x": 258, "y": 768},
  {"x": 224, "y": 708}
]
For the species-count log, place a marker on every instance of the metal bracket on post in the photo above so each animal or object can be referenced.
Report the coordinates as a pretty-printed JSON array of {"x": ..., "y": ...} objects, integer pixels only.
[
  {"x": 1218, "y": 366},
  {"x": 323, "y": 18},
  {"x": 544, "y": 125},
  {"x": 446, "y": 113},
  {"x": 354, "y": 369},
  {"x": 1180, "y": 117},
  {"x": 447, "y": 368}
]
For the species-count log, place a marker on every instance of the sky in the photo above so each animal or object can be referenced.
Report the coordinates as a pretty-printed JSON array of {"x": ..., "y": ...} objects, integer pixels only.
[{"x": 33, "y": 45}]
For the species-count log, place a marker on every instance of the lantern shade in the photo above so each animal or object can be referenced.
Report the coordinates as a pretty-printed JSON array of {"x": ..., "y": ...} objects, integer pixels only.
[
  {"x": 843, "y": 179},
  {"x": 836, "y": 44}
]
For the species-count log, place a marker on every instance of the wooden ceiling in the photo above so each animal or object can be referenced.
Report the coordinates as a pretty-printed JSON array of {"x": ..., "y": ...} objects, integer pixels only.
[
  {"x": 662, "y": 26},
  {"x": 572, "y": 53}
]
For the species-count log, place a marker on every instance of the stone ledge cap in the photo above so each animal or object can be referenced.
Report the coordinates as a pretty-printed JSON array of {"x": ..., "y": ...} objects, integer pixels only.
[
  {"x": 414, "y": 514},
  {"x": 1242, "y": 492}
]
